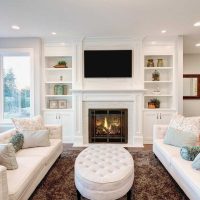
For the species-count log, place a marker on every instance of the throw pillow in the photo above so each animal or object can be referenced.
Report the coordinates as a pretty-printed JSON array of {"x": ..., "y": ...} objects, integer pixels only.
[
  {"x": 189, "y": 153},
  {"x": 38, "y": 138},
  {"x": 196, "y": 162},
  {"x": 186, "y": 124},
  {"x": 7, "y": 156},
  {"x": 28, "y": 124},
  {"x": 178, "y": 138},
  {"x": 17, "y": 141}
]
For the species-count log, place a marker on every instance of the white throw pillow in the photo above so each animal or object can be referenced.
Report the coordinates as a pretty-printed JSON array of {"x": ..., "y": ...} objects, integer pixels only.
[
  {"x": 38, "y": 138},
  {"x": 7, "y": 156},
  {"x": 28, "y": 124},
  {"x": 186, "y": 124}
]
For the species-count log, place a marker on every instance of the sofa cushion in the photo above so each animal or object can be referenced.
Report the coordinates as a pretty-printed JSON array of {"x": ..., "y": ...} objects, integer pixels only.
[
  {"x": 7, "y": 156},
  {"x": 189, "y": 176},
  {"x": 179, "y": 138},
  {"x": 186, "y": 124},
  {"x": 17, "y": 141},
  {"x": 28, "y": 124},
  {"x": 166, "y": 151},
  {"x": 38, "y": 138},
  {"x": 22, "y": 177},
  {"x": 189, "y": 153},
  {"x": 45, "y": 152}
]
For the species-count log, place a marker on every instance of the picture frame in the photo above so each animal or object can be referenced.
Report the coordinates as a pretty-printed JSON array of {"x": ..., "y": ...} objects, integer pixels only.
[
  {"x": 53, "y": 104},
  {"x": 62, "y": 104}
]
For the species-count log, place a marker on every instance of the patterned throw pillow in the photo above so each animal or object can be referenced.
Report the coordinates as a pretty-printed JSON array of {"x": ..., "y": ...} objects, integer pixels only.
[
  {"x": 186, "y": 124},
  {"x": 7, "y": 156},
  {"x": 17, "y": 141},
  {"x": 28, "y": 124},
  {"x": 189, "y": 153}
]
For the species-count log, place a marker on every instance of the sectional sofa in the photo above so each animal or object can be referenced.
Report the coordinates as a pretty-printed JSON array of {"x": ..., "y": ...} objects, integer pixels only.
[
  {"x": 181, "y": 170},
  {"x": 33, "y": 164}
]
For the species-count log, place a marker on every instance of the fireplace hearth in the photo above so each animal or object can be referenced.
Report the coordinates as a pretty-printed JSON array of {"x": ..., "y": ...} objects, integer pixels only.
[{"x": 108, "y": 125}]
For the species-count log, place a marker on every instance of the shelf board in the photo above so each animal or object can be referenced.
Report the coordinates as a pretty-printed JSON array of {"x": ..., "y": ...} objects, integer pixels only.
[
  {"x": 160, "y": 109},
  {"x": 58, "y": 82},
  {"x": 159, "y": 95},
  {"x": 150, "y": 68},
  {"x": 58, "y": 69},
  {"x": 57, "y": 110},
  {"x": 58, "y": 95},
  {"x": 157, "y": 81}
]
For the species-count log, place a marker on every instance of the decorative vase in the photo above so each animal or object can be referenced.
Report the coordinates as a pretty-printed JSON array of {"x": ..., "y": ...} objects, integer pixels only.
[
  {"x": 150, "y": 63},
  {"x": 160, "y": 63},
  {"x": 58, "y": 90},
  {"x": 156, "y": 76}
]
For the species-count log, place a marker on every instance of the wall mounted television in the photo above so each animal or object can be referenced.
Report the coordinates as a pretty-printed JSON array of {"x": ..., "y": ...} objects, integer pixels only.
[{"x": 108, "y": 63}]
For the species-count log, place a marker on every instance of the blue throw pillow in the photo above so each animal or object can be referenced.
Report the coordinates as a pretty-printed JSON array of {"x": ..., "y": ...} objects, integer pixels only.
[
  {"x": 179, "y": 138},
  {"x": 189, "y": 153},
  {"x": 196, "y": 162}
]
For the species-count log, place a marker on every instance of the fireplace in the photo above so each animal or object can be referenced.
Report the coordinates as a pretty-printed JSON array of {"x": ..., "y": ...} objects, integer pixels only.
[{"x": 108, "y": 125}]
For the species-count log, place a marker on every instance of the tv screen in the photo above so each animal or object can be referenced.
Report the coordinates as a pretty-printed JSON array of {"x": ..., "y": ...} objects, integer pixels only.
[{"x": 108, "y": 63}]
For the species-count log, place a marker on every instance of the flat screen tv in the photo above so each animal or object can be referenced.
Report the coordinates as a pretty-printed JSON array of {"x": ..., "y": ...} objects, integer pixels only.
[{"x": 108, "y": 63}]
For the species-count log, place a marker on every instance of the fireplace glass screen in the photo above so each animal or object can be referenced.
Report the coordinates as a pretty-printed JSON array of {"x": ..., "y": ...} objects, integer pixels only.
[{"x": 108, "y": 125}]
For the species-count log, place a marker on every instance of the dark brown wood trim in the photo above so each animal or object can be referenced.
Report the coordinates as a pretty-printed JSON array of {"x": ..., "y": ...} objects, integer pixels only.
[{"x": 198, "y": 86}]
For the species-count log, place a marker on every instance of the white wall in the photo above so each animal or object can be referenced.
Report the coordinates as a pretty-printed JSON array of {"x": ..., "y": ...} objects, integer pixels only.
[{"x": 191, "y": 65}]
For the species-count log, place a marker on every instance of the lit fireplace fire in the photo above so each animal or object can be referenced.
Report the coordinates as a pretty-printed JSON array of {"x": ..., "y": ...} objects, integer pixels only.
[{"x": 108, "y": 125}]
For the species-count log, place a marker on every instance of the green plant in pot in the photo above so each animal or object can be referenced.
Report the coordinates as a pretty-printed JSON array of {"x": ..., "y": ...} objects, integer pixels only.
[
  {"x": 61, "y": 64},
  {"x": 156, "y": 102}
]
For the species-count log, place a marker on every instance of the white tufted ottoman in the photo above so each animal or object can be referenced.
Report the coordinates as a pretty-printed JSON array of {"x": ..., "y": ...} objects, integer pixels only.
[{"x": 104, "y": 172}]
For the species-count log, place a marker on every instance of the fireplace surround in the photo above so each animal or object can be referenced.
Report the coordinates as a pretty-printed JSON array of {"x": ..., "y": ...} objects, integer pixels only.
[{"x": 108, "y": 125}]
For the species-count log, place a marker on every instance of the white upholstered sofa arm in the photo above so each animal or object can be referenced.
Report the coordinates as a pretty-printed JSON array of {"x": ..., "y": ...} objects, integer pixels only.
[
  {"x": 55, "y": 131},
  {"x": 3, "y": 183},
  {"x": 159, "y": 131}
]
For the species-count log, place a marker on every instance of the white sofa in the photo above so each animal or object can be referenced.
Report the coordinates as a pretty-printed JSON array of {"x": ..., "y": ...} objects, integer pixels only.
[
  {"x": 181, "y": 170},
  {"x": 33, "y": 164}
]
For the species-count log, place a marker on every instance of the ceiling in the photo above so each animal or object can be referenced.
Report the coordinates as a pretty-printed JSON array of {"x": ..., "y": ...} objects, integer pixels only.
[{"x": 99, "y": 18}]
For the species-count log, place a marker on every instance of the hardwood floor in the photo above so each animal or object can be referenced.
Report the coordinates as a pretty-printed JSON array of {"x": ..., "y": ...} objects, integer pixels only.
[{"x": 67, "y": 146}]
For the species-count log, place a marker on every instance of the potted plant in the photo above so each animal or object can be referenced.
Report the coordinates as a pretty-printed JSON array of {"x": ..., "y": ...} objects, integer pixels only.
[
  {"x": 156, "y": 76},
  {"x": 61, "y": 64},
  {"x": 155, "y": 102}
]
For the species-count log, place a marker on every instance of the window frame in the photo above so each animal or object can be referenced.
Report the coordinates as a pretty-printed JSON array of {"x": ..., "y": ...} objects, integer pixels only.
[{"x": 16, "y": 52}]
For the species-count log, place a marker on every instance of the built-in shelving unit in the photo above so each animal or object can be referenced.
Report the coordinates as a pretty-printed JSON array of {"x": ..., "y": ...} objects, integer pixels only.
[
  {"x": 57, "y": 87},
  {"x": 161, "y": 89},
  {"x": 57, "y": 77}
]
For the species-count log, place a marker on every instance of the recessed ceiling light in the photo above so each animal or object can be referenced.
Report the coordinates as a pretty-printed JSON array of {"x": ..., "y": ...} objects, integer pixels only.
[
  {"x": 163, "y": 31},
  {"x": 15, "y": 27},
  {"x": 153, "y": 42},
  {"x": 197, "y": 45},
  {"x": 53, "y": 33},
  {"x": 196, "y": 24}
]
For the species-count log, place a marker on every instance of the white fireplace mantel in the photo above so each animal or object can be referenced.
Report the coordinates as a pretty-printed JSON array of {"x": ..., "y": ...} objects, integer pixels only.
[{"x": 89, "y": 99}]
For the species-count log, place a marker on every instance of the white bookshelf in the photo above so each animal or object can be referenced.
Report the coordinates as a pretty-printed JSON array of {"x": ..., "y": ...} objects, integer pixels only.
[
  {"x": 166, "y": 86},
  {"x": 57, "y": 76}
]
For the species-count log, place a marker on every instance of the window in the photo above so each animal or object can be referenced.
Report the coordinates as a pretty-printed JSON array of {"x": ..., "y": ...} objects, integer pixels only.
[{"x": 16, "y": 85}]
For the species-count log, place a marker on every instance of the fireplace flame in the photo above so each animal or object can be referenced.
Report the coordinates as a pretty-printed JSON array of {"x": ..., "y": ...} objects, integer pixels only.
[{"x": 105, "y": 123}]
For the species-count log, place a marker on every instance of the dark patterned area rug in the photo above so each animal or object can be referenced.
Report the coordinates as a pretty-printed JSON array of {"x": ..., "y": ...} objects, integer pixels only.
[{"x": 151, "y": 182}]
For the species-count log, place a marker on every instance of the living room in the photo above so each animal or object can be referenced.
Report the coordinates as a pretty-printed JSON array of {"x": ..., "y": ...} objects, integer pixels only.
[{"x": 99, "y": 100}]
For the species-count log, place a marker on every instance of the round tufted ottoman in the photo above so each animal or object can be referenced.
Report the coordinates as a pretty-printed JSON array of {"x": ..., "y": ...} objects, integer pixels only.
[{"x": 104, "y": 172}]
